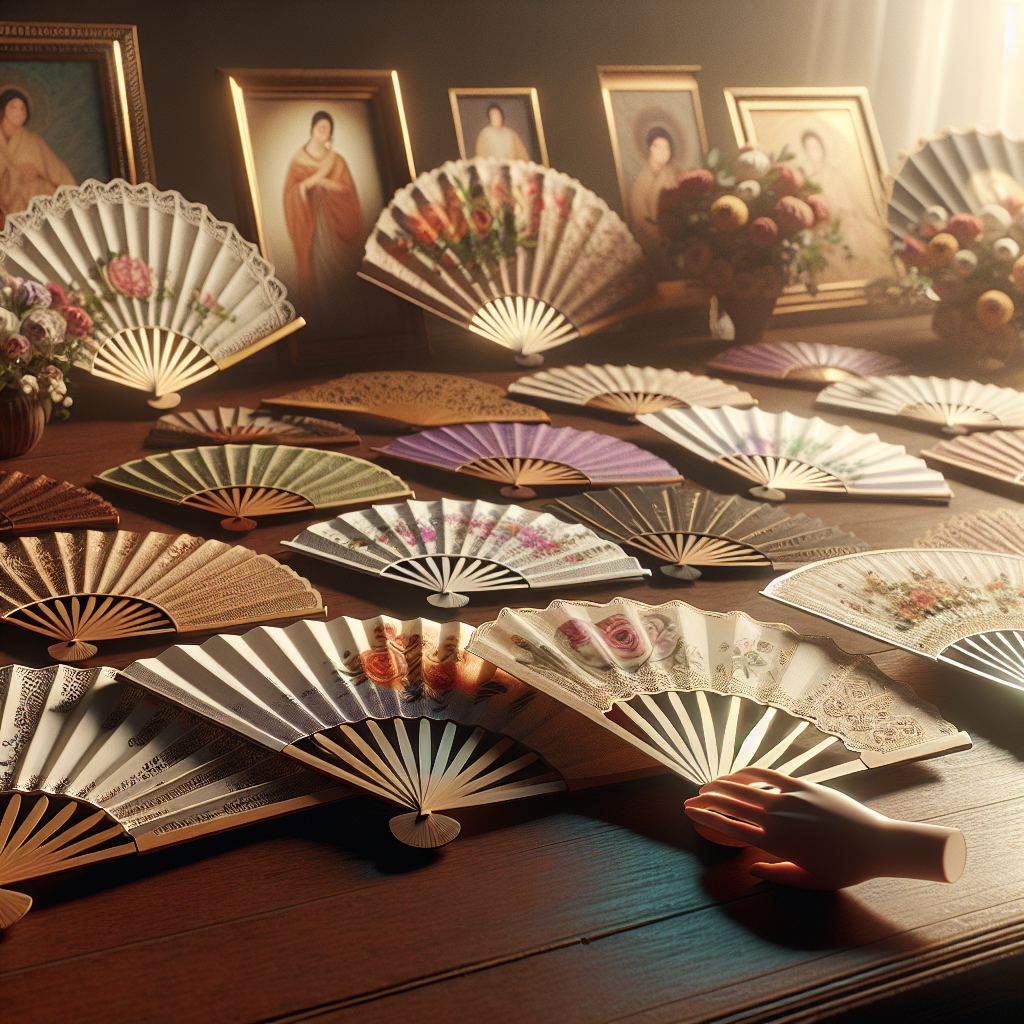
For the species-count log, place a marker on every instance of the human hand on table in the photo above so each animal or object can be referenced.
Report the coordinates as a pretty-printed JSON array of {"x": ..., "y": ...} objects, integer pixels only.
[{"x": 827, "y": 839}]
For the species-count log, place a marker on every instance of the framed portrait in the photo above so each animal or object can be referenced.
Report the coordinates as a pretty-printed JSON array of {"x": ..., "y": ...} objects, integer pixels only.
[
  {"x": 835, "y": 142},
  {"x": 72, "y": 107},
  {"x": 502, "y": 123},
  {"x": 316, "y": 155}
]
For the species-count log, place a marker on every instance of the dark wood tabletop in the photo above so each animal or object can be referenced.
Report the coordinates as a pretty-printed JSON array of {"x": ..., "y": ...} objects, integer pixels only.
[{"x": 594, "y": 906}]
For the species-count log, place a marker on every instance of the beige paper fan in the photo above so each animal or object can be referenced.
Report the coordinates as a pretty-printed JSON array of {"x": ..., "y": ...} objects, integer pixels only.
[
  {"x": 33, "y": 504},
  {"x": 238, "y": 425},
  {"x": 998, "y": 455},
  {"x": 1000, "y": 529}
]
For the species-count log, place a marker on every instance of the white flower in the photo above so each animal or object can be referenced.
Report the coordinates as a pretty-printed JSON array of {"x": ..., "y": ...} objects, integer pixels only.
[
  {"x": 29, "y": 384},
  {"x": 68, "y": 402}
]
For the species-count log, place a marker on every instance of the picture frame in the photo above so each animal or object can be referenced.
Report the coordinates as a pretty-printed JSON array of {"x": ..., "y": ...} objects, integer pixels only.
[
  {"x": 85, "y": 115},
  {"x": 852, "y": 176},
  {"x": 315, "y": 234},
  {"x": 520, "y": 116}
]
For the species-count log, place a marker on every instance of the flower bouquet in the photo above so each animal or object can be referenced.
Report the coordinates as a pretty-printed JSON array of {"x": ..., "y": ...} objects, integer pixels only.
[{"x": 748, "y": 234}]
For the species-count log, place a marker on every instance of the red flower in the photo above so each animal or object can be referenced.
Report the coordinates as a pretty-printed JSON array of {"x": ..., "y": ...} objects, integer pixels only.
[
  {"x": 914, "y": 252},
  {"x": 630, "y": 645},
  {"x": 793, "y": 215},
  {"x": 130, "y": 275},
  {"x": 480, "y": 221},
  {"x": 922, "y": 599},
  {"x": 965, "y": 227},
  {"x": 17, "y": 346},
  {"x": 762, "y": 232},
  {"x": 575, "y": 632},
  {"x": 789, "y": 181},
  {"x": 695, "y": 183},
  {"x": 822, "y": 214},
  {"x": 79, "y": 322},
  {"x": 58, "y": 297},
  {"x": 422, "y": 231}
]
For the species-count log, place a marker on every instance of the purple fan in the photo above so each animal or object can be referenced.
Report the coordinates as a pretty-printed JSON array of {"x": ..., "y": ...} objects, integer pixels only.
[{"x": 520, "y": 455}]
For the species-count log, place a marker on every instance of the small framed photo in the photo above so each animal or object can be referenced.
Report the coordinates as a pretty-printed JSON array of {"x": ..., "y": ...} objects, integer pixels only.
[
  {"x": 502, "y": 123},
  {"x": 835, "y": 142},
  {"x": 72, "y": 107},
  {"x": 316, "y": 155}
]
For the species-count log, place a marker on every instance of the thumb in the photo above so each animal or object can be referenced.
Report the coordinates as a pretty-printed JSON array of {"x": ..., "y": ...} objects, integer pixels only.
[{"x": 786, "y": 873}]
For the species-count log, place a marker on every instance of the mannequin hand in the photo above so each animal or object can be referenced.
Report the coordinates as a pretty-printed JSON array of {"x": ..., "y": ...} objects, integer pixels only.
[{"x": 826, "y": 839}]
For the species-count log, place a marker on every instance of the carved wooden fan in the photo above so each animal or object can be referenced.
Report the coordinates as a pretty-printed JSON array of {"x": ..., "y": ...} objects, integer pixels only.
[
  {"x": 687, "y": 527},
  {"x": 999, "y": 529},
  {"x": 238, "y": 425},
  {"x": 240, "y": 482},
  {"x": 998, "y": 455},
  {"x": 32, "y": 504},
  {"x": 92, "y": 767},
  {"x": 803, "y": 362},
  {"x": 414, "y": 398},
  {"x": 88, "y": 586},
  {"x": 394, "y": 708}
]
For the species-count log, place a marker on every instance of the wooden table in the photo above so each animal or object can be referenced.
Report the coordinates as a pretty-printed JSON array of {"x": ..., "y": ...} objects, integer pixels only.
[{"x": 595, "y": 906}]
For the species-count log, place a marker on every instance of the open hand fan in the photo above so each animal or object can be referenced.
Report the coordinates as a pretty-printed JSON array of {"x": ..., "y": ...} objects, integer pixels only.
[
  {"x": 238, "y": 425},
  {"x": 998, "y": 455},
  {"x": 86, "y": 586},
  {"x": 397, "y": 709},
  {"x": 457, "y": 547},
  {"x": 958, "y": 406},
  {"x": 803, "y": 362},
  {"x": 240, "y": 481},
  {"x": 520, "y": 254},
  {"x": 413, "y": 397},
  {"x": 174, "y": 294},
  {"x": 630, "y": 389},
  {"x": 688, "y": 527},
  {"x": 92, "y": 767},
  {"x": 999, "y": 529},
  {"x": 782, "y": 452},
  {"x": 31, "y": 504},
  {"x": 964, "y": 608},
  {"x": 523, "y": 457}
]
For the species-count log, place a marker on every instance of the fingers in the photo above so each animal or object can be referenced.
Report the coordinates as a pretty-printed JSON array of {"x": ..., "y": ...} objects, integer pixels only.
[
  {"x": 788, "y": 873},
  {"x": 763, "y": 798},
  {"x": 745, "y": 833},
  {"x": 729, "y": 805},
  {"x": 783, "y": 783}
]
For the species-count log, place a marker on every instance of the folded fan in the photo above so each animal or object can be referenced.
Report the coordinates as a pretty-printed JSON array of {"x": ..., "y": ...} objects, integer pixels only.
[
  {"x": 175, "y": 294},
  {"x": 30, "y": 504},
  {"x": 999, "y": 529},
  {"x": 998, "y": 455},
  {"x": 963, "y": 608},
  {"x": 238, "y": 425},
  {"x": 241, "y": 481},
  {"x": 522, "y": 456},
  {"x": 457, "y": 547},
  {"x": 93, "y": 767},
  {"x": 689, "y": 527},
  {"x": 395, "y": 708},
  {"x": 520, "y": 254},
  {"x": 803, "y": 362},
  {"x": 85, "y": 586},
  {"x": 779, "y": 450}
]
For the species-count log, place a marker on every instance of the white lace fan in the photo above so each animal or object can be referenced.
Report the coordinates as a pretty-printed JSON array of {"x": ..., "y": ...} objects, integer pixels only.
[
  {"x": 782, "y": 452},
  {"x": 520, "y": 254},
  {"x": 630, "y": 389},
  {"x": 454, "y": 548},
  {"x": 92, "y": 767},
  {"x": 998, "y": 455},
  {"x": 175, "y": 294},
  {"x": 395, "y": 708},
  {"x": 998, "y": 529},
  {"x": 239, "y": 425},
  {"x": 964, "y": 608},
  {"x": 957, "y": 406},
  {"x": 803, "y": 362}
]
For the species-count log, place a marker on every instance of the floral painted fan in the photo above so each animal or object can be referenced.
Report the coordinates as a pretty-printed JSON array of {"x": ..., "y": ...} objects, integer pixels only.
[
  {"x": 998, "y": 455},
  {"x": 803, "y": 362},
  {"x": 630, "y": 389},
  {"x": 92, "y": 767},
  {"x": 457, "y": 547},
  {"x": 963, "y": 608},
  {"x": 175, "y": 295},
  {"x": 958, "y": 406},
  {"x": 413, "y": 397},
  {"x": 782, "y": 452},
  {"x": 523, "y": 457},
  {"x": 520, "y": 254},
  {"x": 240, "y": 481},
  {"x": 687, "y": 527},
  {"x": 397, "y": 709},
  {"x": 999, "y": 529},
  {"x": 238, "y": 425},
  {"x": 86, "y": 586},
  {"x": 33, "y": 504}
]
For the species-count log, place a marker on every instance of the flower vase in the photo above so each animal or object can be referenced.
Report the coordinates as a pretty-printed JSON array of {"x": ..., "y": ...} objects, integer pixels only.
[
  {"x": 22, "y": 419},
  {"x": 749, "y": 315}
]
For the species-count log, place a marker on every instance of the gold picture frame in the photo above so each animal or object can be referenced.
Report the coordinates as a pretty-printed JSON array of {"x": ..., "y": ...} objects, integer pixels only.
[
  {"x": 365, "y": 159},
  {"x": 770, "y": 118},
  {"x": 522, "y": 118}
]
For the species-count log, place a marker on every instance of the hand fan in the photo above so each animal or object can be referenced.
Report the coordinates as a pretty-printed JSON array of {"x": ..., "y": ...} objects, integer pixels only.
[
  {"x": 779, "y": 450},
  {"x": 1000, "y": 529},
  {"x": 85, "y": 586},
  {"x": 999, "y": 455},
  {"x": 520, "y": 254},
  {"x": 688, "y": 526},
  {"x": 964, "y": 608},
  {"x": 395, "y": 708},
  {"x": 630, "y": 389},
  {"x": 240, "y": 481},
  {"x": 174, "y": 295},
  {"x": 93, "y": 767},
  {"x": 707, "y": 694},
  {"x": 418, "y": 399},
  {"x": 958, "y": 406},
  {"x": 523, "y": 457},
  {"x": 457, "y": 547},
  {"x": 31, "y": 504},
  {"x": 803, "y": 362},
  {"x": 239, "y": 425}
]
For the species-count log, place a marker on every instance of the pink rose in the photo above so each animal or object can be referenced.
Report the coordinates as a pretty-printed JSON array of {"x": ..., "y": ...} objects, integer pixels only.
[
  {"x": 695, "y": 183},
  {"x": 17, "y": 346},
  {"x": 922, "y": 599},
  {"x": 43, "y": 327},
  {"x": 51, "y": 373},
  {"x": 421, "y": 230},
  {"x": 480, "y": 221},
  {"x": 822, "y": 214},
  {"x": 79, "y": 322},
  {"x": 965, "y": 227},
  {"x": 584, "y": 643},
  {"x": 789, "y": 181},
  {"x": 793, "y": 215},
  {"x": 628, "y": 644},
  {"x": 58, "y": 297},
  {"x": 762, "y": 232},
  {"x": 130, "y": 275}
]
